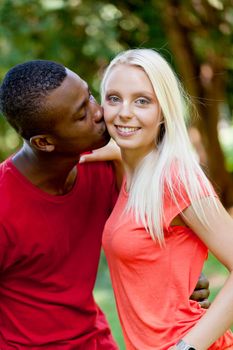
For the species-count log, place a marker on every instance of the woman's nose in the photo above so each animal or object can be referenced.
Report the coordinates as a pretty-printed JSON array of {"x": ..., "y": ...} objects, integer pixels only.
[{"x": 125, "y": 111}]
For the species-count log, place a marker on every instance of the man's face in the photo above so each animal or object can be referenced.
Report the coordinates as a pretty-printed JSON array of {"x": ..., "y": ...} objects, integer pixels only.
[{"x": 78, "y": 124}]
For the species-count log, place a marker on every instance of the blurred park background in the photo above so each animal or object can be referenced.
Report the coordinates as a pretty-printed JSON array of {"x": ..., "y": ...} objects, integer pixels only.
[{"x": 195, "y": 36}]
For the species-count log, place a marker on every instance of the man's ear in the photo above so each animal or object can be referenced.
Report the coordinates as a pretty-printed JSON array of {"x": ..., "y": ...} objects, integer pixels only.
[{"x": 42, "y": 143}]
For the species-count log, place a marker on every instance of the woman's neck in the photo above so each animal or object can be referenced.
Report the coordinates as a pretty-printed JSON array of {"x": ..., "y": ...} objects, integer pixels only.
[{"x": 131, "y": 160}]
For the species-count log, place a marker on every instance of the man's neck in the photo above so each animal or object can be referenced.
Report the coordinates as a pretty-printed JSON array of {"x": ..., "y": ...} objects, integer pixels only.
[{"x": 53, "y": 174}]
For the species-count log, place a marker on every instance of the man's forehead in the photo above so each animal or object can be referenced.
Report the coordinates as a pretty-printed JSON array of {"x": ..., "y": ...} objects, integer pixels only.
[
  {"x": 72, "y": 87},
  {"x": 76, "y": 76},
  {"x": 85, "y": 85}
]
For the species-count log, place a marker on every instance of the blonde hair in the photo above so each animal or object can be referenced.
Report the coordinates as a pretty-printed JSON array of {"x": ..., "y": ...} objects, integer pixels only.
[{"x": 173, "y": 147}]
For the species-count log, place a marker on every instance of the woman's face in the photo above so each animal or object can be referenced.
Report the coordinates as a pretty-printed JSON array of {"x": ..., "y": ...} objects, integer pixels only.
[{"x": 131, "y": 110}]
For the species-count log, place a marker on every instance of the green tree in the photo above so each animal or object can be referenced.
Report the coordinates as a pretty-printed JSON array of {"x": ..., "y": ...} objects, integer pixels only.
[
  {"x": 85, "y": 35},
  {"x": 200, "y": 35}
]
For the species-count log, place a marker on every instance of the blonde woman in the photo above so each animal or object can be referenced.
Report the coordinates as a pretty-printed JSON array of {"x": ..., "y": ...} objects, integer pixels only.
[{"x": 167, "y": 215}]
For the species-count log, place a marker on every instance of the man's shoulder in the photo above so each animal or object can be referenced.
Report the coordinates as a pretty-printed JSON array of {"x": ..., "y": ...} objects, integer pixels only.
[
  {"x": 97, "y": 164},
  {"x": 7, "y": 187},
  {"x": 97, "y": 169},
  {"x": 5, "y": 170},
  {"x": 99, "y": 178}
]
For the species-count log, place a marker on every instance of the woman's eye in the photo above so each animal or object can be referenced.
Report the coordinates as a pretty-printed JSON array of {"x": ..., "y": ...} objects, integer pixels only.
[
  {"x": 113, "y": 99},
  {"x": 142, "y": 101}
]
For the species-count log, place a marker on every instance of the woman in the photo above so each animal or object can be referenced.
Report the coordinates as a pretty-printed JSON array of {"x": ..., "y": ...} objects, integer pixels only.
[{"x": 166, "y": 216}]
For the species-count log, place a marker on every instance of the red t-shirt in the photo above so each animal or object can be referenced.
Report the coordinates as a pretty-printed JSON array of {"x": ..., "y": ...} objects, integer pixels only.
[
  {"x": 49, "y": 253},
  {"x": 152, "y": 285}
]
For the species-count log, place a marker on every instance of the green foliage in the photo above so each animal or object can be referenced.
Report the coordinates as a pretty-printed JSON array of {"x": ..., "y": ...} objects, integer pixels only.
[
  {"x": 226, "y": 138},
  {"x": 9, "y": 140},
  {"x": 85, "y": 35}
]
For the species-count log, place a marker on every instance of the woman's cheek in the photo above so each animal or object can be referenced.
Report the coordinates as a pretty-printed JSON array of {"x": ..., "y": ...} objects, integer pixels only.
[{"x": 108, "y": 116}]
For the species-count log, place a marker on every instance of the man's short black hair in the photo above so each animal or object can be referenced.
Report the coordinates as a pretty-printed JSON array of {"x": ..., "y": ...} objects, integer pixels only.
[{"x": 23, "y": 95}]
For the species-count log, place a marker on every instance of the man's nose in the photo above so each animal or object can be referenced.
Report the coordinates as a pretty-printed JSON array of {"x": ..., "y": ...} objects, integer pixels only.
[{"x": 98, "y": 113}]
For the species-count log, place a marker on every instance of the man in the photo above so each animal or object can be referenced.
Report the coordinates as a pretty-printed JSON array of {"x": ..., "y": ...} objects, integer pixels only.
[{"x": 52, "y": 212}]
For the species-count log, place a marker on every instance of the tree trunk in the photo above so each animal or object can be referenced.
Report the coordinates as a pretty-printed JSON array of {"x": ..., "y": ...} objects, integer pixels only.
[{"x": 204, "y": 82}]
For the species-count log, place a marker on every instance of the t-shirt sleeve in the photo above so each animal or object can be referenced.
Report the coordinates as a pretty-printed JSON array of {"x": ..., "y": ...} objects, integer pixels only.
[{"x": 174, "y": 205}]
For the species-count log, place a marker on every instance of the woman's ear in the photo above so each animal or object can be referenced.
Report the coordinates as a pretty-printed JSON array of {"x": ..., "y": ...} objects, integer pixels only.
[
  {"x": 161, "y": 133},
  {"x": 42, "y": 143}
]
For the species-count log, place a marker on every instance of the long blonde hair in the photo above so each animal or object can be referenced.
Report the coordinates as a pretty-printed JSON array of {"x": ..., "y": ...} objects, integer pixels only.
[{"x": 173, "y": 147}]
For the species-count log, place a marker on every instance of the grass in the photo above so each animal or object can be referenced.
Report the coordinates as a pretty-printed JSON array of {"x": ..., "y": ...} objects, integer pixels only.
[{"x": 215, "y": 272}]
